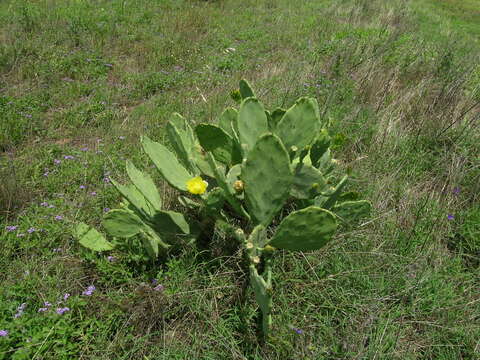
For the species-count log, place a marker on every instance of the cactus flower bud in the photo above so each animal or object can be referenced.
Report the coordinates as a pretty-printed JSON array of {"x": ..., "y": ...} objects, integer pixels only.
[
  {"x": 256, "y": 260},
  {"x": 238, "y": 186},
  {"x": 293, "y": 148},
  {"x": 249, "y": 245}
]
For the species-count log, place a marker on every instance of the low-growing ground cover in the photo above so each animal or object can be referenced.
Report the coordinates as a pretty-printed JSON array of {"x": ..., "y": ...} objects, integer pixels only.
[{"x": 399, "y": 84}]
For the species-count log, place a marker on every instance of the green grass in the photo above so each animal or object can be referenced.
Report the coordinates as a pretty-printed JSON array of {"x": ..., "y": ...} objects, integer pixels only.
[{"x": 399, "y": 84}]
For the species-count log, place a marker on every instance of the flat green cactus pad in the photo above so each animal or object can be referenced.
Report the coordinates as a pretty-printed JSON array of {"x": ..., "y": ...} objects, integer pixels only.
[
  {"x": 168, "y": 165},
  {"x": 303, "y": 230},
  {"x": 122, "y": 223},
  {"x": 144, "y": 183},
  {"x": 252, "y": 122},
  {"x": 300, "y": 124},
  {"x": 91, "y": 238},
  {"x": 267, "y": 178}
]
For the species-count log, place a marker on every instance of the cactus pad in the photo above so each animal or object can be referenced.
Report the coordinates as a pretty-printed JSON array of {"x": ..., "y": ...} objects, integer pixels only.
[
  {"x": 170, "y": 222},
  {"x": 267, "y": 176},
  {"x": 300, "y": 124},
  {"x": 351, "y": 212},
  {"x": 228, "y": 122},
  {"x": 122, "y": 223},
  {"x": 212, "y": 138},
  {"x": 307, "y": 182},
  {"x": 252, "y": 122},
  {"x": 245, "y": 89},
  {"x": 320, "y": 146},
  {"x": 135, "y": 198},
  {"x": 91, "y": 238},
  {"x": 144, "y": 183},
  {"x": 182, "y": 140},
  {"x": 303, "y": 230},
  {"x": 168, "y": 165}
]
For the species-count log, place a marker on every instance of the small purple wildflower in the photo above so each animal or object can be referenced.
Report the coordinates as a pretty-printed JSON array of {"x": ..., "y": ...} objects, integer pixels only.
[
  {"x": 61, "y": 311},
  {"x": 159, "y": 287},
  {"x": 106, "y": 179},
  {"x": 66, "y": 296},
  {"x": 154, "y": 282},
  {"x": 68, "y": 157},
  {"x": 12, "y": 228},
  {"x": 109, "y": 65},
  {"x": 456, "y": 190},
  {"x": 57, "y": 250},
  {"x": 59, "y": 217},
  {"x": 93, "y": 193},
  {"x": 57, "y": 162},
  {"x": 106, "y": 209},
  {"x": 82, "y": 186},
  {"x": 450, "y": 217},
  {"x": 111, "y": 258},
  {"x": 18, "y": 314},
  {"x": 89, "y": 290},
  {"x": 22, "y": 306},
  {"x": 122, "y": 137},
  {"x": 3, "y": 333},
  {"x": 28, "y": 116},
  {"x": 47, "y": 304},
  {"x": 43, "y": 309},
  {"x": 298, "y": 331},
  {"x": 20, "y": 235},
  {"x": 31, "y": 230},
  {"x": 44, "y": 204},
  {"x": 46, "y": 173},
  {"x": 84, "y": 149}
]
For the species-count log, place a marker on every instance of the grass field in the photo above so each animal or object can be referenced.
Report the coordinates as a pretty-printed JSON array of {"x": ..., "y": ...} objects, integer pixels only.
[{"x": 397, "y": 81}]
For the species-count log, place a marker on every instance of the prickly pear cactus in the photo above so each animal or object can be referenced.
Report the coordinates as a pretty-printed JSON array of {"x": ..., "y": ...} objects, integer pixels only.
[{"x": 240, "y": 172}]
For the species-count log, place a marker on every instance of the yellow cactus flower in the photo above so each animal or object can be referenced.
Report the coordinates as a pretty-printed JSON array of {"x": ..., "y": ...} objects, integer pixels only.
[{"x": 196, "y": 185}]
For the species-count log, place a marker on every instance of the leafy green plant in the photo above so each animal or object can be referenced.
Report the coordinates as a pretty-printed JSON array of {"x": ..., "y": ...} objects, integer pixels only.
[{"x": 242, "y": 171}]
